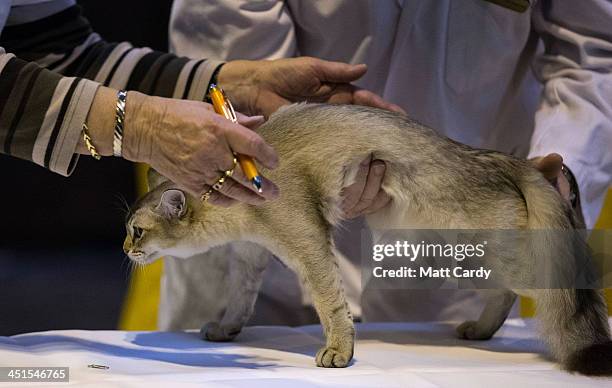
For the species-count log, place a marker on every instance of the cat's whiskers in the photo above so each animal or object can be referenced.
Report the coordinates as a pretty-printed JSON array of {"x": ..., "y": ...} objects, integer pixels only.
[
  {"x": 126, "y": 266},
  {"x": 123, "y": 205}
]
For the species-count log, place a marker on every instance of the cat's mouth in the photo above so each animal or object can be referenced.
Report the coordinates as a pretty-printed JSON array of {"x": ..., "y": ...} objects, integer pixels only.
[{"x": 142, "y": 258}]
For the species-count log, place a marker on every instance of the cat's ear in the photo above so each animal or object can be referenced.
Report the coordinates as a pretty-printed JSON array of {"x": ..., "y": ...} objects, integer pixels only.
[
  {"x": 172, "y": 204},
  {"x": 154, "y": 178}
]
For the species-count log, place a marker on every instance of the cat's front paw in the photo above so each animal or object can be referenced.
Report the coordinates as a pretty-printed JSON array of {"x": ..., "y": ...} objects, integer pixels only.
[
  {"x": 214, "y": 332},
  {"x": 471, "y": 331},
  {"x": 329, "y": 357}
]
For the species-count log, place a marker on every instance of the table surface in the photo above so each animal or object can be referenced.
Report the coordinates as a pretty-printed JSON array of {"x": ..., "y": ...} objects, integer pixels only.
[{"x": 386, "y": 355}]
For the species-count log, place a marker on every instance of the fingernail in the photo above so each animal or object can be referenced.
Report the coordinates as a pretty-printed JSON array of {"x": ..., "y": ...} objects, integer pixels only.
[
  {"x": 366, "y": 161},
  {"x": 399, "y": 109}
]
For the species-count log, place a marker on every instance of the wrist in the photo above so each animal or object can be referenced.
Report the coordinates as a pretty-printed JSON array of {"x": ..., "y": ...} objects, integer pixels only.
[
  {"x": 100, "y": 122},
  {"x": 141, "y": 112},
  {"x": 241, "y": 81}
]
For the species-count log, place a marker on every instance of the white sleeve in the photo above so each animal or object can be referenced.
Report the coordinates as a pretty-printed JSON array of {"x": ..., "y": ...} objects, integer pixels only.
[
  {"x": 575, "y": 115},
  {"x": 232, "y": 29}
]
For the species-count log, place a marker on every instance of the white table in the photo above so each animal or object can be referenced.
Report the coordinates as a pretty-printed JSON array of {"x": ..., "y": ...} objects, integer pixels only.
[{"x": 386, "y": 355}]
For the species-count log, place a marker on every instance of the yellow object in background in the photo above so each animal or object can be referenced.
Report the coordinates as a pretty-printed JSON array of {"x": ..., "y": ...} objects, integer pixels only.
[
  {"x": 527, "y": 306},
  {"x": 139, "y": 310},
  {"x": 142, "y": 300}
]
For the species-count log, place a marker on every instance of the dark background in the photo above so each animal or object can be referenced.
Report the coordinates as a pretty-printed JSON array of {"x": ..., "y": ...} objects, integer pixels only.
[{"x": 61, "y": 262}]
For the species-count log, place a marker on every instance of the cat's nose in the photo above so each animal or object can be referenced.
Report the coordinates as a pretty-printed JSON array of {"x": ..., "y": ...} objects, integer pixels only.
[{"x": 126, "y": 246}]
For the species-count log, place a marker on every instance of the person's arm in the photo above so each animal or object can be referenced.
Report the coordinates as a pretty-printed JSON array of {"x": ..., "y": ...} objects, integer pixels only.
[
  {"x": 41, "y": 113},
  {"x": 64, "y": 42},
  {"x": 575, "y": 115}
]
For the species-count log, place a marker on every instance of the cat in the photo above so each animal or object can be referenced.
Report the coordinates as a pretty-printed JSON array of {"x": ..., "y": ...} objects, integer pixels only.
[{"x": 434, "y": 183}]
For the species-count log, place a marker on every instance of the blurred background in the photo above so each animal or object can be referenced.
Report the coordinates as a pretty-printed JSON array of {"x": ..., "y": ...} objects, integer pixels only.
[{"x": 61, "y": 262}]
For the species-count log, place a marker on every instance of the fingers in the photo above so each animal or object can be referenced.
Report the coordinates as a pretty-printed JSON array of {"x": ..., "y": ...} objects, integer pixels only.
[
  {"x": 352, "y": 194},
  {"x": 234, "y": 190},
  {"x": 337, "y": 71},
  {"x": 371, "y": 189},
  {"x": 251, "y": 122},
  {"x": 563, "y": 187},
  {"x": 382, "y": 199},
  {"x": 367, "y": 98},
  {"x": 238, "y": 188},
  {"x": 247, "y": 142},
  {"x": 269, "y": 189},
  {"x": 219, "y": 199},
  {"x": 269, "y": 103},
  {"x": 333, "y": 94},
  {"x": 549, "y": 165}
]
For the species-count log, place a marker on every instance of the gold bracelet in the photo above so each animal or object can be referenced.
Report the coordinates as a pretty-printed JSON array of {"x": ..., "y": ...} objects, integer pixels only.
[{"x": 89, "y": 144}]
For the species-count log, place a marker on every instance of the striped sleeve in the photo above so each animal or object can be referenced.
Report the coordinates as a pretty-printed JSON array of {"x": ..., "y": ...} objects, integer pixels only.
[
  {"x": 65, "y": 43},
  {"x": 50, "y": 72},
  {"x": 41, "y": 113}
]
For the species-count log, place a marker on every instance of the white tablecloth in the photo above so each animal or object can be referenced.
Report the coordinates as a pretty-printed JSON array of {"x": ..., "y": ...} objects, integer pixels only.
[{"x": 386, "y": 355}]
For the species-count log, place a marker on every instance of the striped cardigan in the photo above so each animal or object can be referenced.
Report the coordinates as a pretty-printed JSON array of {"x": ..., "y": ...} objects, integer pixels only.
[{"x": 50, "y": 69}]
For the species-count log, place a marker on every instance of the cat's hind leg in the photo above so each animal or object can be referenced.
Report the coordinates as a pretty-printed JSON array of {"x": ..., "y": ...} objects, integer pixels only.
[
  {"x": 246, "y": 270},
  {"x": 498, "y": 306}
]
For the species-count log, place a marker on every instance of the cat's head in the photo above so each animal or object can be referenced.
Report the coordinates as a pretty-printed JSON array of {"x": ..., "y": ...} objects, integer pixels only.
[{"x": 158, "y": 223}]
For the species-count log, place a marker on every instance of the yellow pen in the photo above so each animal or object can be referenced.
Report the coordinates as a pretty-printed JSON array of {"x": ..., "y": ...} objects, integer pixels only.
[{"x": 224, "y": 107}]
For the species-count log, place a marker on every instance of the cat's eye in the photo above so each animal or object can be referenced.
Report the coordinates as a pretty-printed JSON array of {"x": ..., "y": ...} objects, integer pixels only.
[{"x": 137, "y": 232}]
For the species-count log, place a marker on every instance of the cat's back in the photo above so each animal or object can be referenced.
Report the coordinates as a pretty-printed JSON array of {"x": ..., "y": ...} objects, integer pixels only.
[{"x": 325, "y": 130}]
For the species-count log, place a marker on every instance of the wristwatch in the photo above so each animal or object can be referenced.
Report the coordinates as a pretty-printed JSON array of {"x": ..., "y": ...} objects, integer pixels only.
[{"x": 213, "y": 81}]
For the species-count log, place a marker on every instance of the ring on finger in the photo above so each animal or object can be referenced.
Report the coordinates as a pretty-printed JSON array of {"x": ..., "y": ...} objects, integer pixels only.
[
  {"x": 219, "y": 183},
  {"x": 230, "y": 172},
  {"x": 226, "y": 174},
  {"x": 215, "y": 187},
  {"x": 207, "y": 194}
]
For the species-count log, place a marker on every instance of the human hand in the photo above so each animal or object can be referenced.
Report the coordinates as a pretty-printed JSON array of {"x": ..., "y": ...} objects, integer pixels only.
[
  {"x": 550, "y": 166},
  {"x": 261, "y": 87},
  {"x": 188, "y": 143},
  {"x": 365, "y": 195}
]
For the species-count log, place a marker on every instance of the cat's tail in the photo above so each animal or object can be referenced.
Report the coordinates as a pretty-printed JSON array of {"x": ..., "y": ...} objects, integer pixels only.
[
  {"x": 575, "y": 326},
  {"x": 574, "y": 321}
]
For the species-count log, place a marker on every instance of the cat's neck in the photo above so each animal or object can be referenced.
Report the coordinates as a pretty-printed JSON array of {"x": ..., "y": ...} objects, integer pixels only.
[
  {"x": 221, "y": 223},
  {"x": 215, "y": 225}
]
